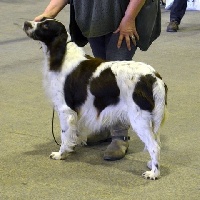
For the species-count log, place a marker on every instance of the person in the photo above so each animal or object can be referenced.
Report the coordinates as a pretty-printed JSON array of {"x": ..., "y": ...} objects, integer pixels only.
[
  {"x": 176, "y": 14},
  {"x": 112, "y": 35}
]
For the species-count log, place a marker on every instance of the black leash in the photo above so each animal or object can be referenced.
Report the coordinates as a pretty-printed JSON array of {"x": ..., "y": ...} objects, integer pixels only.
[{"x": 53, "y": 128}]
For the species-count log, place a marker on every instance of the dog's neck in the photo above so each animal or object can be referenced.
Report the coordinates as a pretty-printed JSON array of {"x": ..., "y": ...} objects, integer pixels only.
[
  {"x": 44, "y": 49},
  {"x": 55, "y": 52},
  {"x": 74, "y": 52},
  {"x": 56, "y": 55}
]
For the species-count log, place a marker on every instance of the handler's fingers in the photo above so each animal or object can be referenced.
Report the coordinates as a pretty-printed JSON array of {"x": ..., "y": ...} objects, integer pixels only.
[
  {"x": 136, "y": 35},
  {"x": 133, "y": 39},
  {"x": 38, "y": 18},
  {"x": 119, "y": 43},
  {"x": 128, "y": 42}
]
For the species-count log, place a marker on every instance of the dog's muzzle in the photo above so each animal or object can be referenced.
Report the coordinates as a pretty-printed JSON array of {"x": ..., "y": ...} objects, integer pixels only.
[
  {"x": 27, "y": 26},
  {"x": 29, "y": 29}
]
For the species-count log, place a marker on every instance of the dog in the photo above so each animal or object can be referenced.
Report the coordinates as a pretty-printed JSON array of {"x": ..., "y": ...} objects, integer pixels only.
[{"x": 93, "y": 94}]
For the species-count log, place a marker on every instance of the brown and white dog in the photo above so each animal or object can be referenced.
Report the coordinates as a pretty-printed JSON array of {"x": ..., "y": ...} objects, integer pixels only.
[{"x": 95, "y": 94}]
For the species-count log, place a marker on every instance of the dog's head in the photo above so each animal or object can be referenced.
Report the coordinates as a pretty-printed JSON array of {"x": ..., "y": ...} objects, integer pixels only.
[
  {"x": 53, "y": 34},
  {"x": 46, "y": 31}
]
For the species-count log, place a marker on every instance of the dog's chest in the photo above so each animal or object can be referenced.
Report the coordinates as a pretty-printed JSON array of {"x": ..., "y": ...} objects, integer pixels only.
[{"x": 53, "y": 84}]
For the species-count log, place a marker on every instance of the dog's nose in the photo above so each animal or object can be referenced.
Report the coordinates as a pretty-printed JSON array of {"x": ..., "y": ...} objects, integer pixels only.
[{"x": 27, "y": 25}]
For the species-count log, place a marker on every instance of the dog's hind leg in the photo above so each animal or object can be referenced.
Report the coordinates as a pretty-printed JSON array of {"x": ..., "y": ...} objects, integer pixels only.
[
  {"x": 68, "y": 124},
  {"x": 142, "y": 126}
]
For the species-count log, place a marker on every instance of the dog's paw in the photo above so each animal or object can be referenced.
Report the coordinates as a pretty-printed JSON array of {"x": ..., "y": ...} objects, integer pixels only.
[
  {"x": 58, "y": 156},
  {"x": 151, "y": 175}
]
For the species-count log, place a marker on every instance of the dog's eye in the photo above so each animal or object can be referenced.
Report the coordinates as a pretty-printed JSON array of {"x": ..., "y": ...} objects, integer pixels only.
[{"x": 45, "y": 26}]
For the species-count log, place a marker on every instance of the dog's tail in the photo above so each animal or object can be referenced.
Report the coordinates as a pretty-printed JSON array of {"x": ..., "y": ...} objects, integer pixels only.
[{"x": 160, "y": 98}]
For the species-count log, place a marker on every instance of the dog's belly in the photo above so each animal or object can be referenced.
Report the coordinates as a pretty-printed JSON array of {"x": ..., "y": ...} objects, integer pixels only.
[{"x": 91, "y": 119}]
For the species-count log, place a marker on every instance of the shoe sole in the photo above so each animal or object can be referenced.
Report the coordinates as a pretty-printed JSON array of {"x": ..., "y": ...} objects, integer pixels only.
[
  {"x": 171, "y": 31},
  {"x": 116, "y": 158}
]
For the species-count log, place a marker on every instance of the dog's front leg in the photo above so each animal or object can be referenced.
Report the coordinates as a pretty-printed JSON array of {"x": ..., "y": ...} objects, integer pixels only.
[{"x": 68, "y": 124}]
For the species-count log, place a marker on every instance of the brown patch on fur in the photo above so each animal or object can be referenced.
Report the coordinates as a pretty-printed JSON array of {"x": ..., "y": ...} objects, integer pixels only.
[
  {"x": 143, "y": 93},
  {"x": 57, "y": 53},
  {"x": 77, "y": 82}
]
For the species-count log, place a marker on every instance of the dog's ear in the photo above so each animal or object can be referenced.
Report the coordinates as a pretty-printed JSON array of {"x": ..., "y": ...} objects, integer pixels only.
[{"x": 57, "y": 52}]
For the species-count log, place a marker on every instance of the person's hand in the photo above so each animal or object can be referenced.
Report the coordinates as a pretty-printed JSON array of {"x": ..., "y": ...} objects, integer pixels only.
[
  {"x": 128, "y": 32},
  {"x": 40, "y": 17}
]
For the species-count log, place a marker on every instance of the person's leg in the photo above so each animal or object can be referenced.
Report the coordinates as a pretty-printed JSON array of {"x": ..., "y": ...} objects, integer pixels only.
[
  {"x": 119, "y": 132},
  {"x": 178, "y": 10},
  {"x": 105, "y": 47},
  {"x": 112, "y": 51},
  {"x": 176, "y": 14},
  {"x": 97, "y": 45},
  {"x": 119, "y": 145}
]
